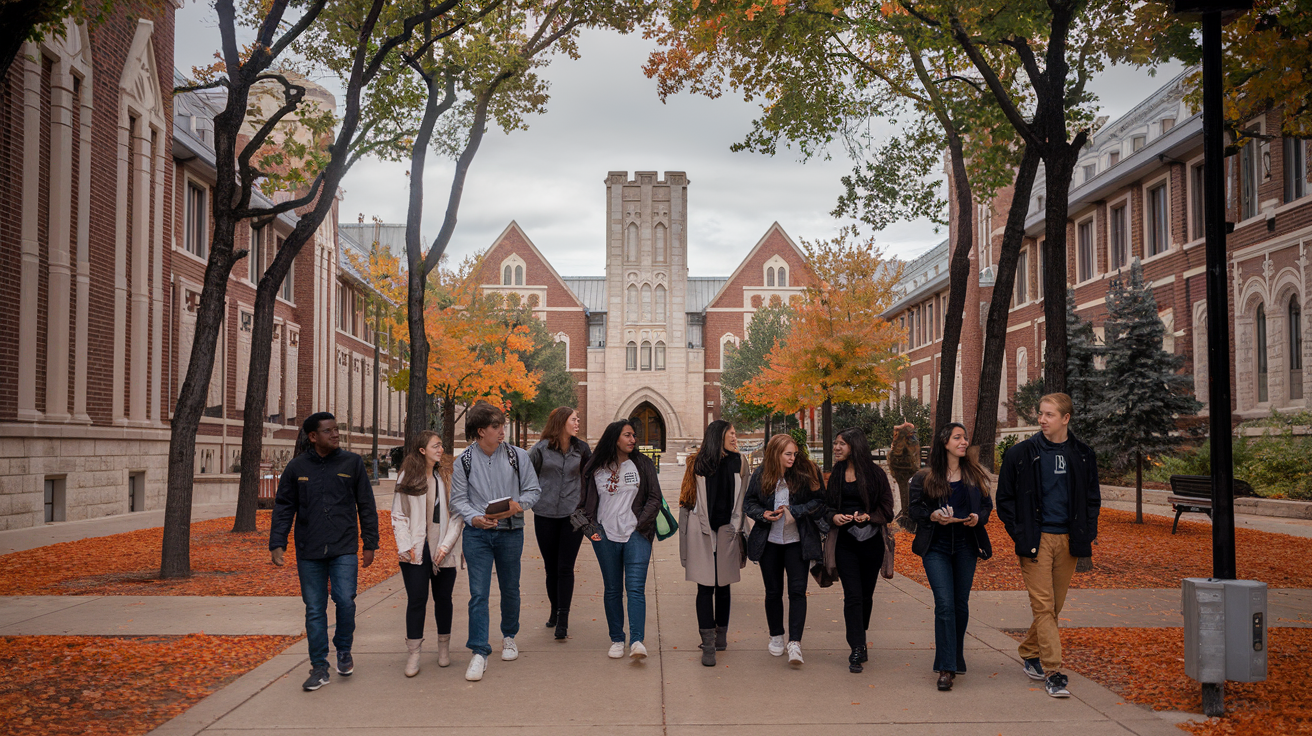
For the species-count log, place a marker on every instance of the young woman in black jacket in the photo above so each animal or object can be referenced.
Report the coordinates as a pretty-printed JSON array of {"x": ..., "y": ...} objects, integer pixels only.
[
  {"x": 950, "y": 504},
  {"x": 859, "y": 501},
  {"x": 783, "y": 499}
]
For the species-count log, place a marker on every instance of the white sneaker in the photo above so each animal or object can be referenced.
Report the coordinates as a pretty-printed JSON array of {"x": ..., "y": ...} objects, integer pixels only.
[
  {"x": 795, "y": 653},
  {"x": 616, "y": 650},
  {"x": 777, "y": 645},
  {"x": 477, "y": 664},
  {"x": 637, "y": 650},
  {"x": 509, "y": 652}
]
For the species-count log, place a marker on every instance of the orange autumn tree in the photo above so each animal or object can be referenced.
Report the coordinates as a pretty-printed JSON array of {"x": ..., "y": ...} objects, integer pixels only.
[
  {"x": 479, "y": 343},
  {"x": 839, "y": 346}
]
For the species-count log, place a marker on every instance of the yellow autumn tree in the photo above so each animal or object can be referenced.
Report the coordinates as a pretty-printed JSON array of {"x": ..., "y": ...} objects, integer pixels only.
[{"x": 839, "y": 347}]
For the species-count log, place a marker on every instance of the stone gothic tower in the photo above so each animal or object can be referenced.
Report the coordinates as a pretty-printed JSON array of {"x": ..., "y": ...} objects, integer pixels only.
[{"x": 647, "y": 289}]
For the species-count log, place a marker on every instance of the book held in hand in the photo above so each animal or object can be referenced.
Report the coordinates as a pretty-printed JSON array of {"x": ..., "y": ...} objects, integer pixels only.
[{"x": 497, "y": 506}]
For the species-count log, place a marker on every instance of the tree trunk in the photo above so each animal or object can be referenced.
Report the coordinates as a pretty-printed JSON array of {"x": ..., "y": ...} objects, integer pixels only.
[
  {"x": 1138, "y": 487},
  {"x": 827, "y": 427},
  {"x": 1058, "y": 169},
  {"x": 995, "y": 332},
  {"x": 958, "y": 281},
  {"x": 449, "y": 424}
]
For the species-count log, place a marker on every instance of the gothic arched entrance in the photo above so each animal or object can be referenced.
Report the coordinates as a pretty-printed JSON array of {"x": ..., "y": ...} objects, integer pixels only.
[{"x": 649, "y": 426}]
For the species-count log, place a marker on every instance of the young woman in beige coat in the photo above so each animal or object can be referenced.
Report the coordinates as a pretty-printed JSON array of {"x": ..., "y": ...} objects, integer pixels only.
[
  {"x": 712, "y": 543},
  {"x": 427, "y": 535}
]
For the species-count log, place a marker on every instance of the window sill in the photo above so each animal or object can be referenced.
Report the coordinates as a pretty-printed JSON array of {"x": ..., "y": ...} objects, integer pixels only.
[
  {"x": 1159, "y": 256},
  {"x": 191, "y": 256}
]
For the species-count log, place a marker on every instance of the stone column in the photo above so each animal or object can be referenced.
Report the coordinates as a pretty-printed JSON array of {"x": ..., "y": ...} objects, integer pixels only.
[
  {"x": 61, "y": 211},
  {"x": 83, "y": 257},
  {"x": 140, "y": 166},
  {"x": 30, "y": 272}
]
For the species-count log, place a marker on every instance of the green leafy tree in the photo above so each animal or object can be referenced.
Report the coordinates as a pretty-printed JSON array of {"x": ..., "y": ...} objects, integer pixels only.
[
  {"x": 769, "y": 327},
  {"x": 546, "y": 358},
  {"x": 1144, "y": 394}
]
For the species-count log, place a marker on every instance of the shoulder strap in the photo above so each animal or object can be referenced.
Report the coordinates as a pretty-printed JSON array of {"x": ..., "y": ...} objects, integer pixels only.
[
  {"x": 514, "y": 458},
  {"x": 467, "y": 461}
]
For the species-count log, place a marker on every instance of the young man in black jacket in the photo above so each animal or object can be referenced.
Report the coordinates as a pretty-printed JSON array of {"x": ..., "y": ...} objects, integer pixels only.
[
  {"x": 324, "y": 489},
  {"x": 1048, "y": 499}
]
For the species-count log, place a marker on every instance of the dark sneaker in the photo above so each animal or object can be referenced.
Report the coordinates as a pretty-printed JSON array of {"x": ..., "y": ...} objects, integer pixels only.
[
  {"x": 855, "y": 659},
  {"x": 345, "y": 665},
  {"x": 318, "y": 678},
  {"x": 1034, "y": 668},
  {"x": 1056, "y": 685}
]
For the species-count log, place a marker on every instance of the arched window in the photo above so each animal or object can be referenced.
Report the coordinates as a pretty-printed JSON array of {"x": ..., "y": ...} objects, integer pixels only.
[
  {"x": 631, "y": 301},
  {"x": 631, "y": 243},
  {"x": 631, "y": 356},
  {"x": 660, "y": 303},
  {"x": 658, "y": 241},
  {"x": 646, "y": 356},
  {"x": 769, "y": 277},
  {"x": 1295, "y": 349},
  {"x": 646, "y": 302},
  {"x": 505, "y": 277},
  {"x": 519, "y": 275},
  {"x": 660, "y": 356},
  {"x": 1261, "y": 354},
  {"x": 783, "y": 276}
]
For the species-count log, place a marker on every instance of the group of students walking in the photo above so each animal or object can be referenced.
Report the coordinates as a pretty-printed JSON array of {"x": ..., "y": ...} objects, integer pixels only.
[{"x": 470, "y": 514}]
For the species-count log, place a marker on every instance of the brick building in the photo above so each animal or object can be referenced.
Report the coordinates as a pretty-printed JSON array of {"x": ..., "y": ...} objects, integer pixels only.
[
  {"x": 647, "y": 340},
  {"x": 105, "y": 179},
  {"x": 1137, "y": 195}
]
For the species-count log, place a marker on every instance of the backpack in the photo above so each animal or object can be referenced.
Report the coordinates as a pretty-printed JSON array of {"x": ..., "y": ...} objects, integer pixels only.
[{"x": 467, "y": 460}]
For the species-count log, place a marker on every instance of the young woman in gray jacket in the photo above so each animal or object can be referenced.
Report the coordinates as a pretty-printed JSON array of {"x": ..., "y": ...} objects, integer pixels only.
[{"x": 558, "y": 459}]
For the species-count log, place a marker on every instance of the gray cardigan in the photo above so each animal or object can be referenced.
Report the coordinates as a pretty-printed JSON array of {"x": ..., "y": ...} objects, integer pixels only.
[{"x": 560, "y": 477}]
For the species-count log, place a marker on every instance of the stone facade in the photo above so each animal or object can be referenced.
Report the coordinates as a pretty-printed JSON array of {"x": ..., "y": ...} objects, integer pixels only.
[
  {"x": 1136, "y": 196},
  {"x": 646, "y": 340}
]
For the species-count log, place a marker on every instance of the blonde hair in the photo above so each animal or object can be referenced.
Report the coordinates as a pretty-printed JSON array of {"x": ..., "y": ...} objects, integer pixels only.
[{"x": 1062, "y": 402}]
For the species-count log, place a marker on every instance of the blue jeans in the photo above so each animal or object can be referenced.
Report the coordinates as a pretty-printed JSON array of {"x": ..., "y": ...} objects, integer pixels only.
[
  {"x": 624, "y": 569},
  {"x": 950, "y": 567},
  {"x": 315, "y": 576},
  {"x": 484, "y": 548}
]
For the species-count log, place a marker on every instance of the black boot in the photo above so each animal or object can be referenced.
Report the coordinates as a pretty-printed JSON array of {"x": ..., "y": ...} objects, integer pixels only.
[
  {"x": 721, "y": 638},
  {"x": 855, "y": 659},
  {"x": 552, "y": 618},
  {"x": 708, "y": 647},
  {"x": 562, "y": 624}
]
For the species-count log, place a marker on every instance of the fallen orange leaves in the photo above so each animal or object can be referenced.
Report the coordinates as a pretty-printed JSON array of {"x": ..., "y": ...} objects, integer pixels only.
[
  {"x": 1146, "y": 666},
  {"x": 1129, "y": 555},
  {"x": 118, "y": 685},
  {"x": 222, "y": 563}
]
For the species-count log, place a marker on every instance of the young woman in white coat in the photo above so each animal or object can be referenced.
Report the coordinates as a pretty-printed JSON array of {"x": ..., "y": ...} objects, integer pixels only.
[
  {"x": 711, "y": 544},
  {"x": 427, "y": 543}
]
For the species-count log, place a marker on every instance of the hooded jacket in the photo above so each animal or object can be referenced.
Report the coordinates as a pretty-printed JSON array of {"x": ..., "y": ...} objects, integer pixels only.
[{"x": 1019, "y": 500}]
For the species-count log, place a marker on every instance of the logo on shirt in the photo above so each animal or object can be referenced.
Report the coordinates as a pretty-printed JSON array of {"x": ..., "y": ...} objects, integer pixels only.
[
  {"x": 630, "y": 478},
  {"x": 1060, "y": 468}
]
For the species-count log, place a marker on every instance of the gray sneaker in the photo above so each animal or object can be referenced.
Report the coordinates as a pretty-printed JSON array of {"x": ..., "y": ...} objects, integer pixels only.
[
  {"x": 318, "y": 678},
  {"x": 345, "y": 665},
  {"x": 1034, "y": 668},
  {"x": 1056, "y": 685}
]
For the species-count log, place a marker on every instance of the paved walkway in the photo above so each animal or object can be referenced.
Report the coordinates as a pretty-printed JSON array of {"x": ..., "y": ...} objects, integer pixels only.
[{"x": 572, "y": 687}]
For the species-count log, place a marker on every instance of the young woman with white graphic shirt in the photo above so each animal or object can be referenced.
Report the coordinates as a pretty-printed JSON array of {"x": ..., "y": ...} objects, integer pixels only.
[
  {"x": 620, "y": 500},
  {"x": 426, "y": 535},
  {"x": 783, "y": 499}
]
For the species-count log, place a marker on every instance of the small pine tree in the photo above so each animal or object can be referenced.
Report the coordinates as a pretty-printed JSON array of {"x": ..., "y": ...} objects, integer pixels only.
[
  {"x": 1144, "y": 392},
  {"x": 1084, "y": 382}
]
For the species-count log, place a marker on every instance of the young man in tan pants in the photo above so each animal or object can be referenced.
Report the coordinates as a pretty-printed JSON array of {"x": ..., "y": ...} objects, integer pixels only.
[{"x": 1048, "y": 499}]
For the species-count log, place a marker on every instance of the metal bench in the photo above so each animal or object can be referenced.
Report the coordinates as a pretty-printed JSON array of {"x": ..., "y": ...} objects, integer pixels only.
[{"x": 1193, "y": 493}]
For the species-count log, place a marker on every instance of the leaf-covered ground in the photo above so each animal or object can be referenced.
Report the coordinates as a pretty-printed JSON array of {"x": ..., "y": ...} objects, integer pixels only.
[
  {"x": 222, "y": 563},
  {"x": 1146, "y": 666},
  {"x": 118, "y": 685},
  {"x": 1147, "y": 555}
]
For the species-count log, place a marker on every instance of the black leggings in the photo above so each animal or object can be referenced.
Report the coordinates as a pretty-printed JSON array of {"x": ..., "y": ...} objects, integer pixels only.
[
  {"x": 858, "y": 569},
  {"x": 712, "y": 606},
  {"x": 777, "y": 559},
  {"x": 559, "y": 545},
  {"x": 417, "y": 580}
]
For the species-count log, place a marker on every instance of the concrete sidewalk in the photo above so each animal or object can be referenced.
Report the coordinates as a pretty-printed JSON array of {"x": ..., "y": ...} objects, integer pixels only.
[{"x": 572, "y": 687}]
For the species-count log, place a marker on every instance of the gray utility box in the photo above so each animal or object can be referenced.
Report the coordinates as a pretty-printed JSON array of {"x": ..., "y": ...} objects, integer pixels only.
[{"x": 1224, "y": 630}]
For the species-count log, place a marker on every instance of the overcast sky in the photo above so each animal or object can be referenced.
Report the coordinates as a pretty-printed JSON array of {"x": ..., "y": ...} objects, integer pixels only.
[{"x": 604, "y": 115}]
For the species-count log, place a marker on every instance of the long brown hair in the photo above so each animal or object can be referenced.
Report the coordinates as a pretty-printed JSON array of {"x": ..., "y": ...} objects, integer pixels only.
[
  {"x": 804, "y": 476},
  {"x": 936, "y": 481},
  {"x": 415, "y": 468},
  {"x": 556, "y": 433}
]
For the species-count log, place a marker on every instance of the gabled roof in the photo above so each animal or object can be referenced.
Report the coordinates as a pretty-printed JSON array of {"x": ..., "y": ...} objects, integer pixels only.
[
  {"x": 701, "y": 290},
  {"x": 550, "y": 269},
  {"x": 743, "y": 263}
]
